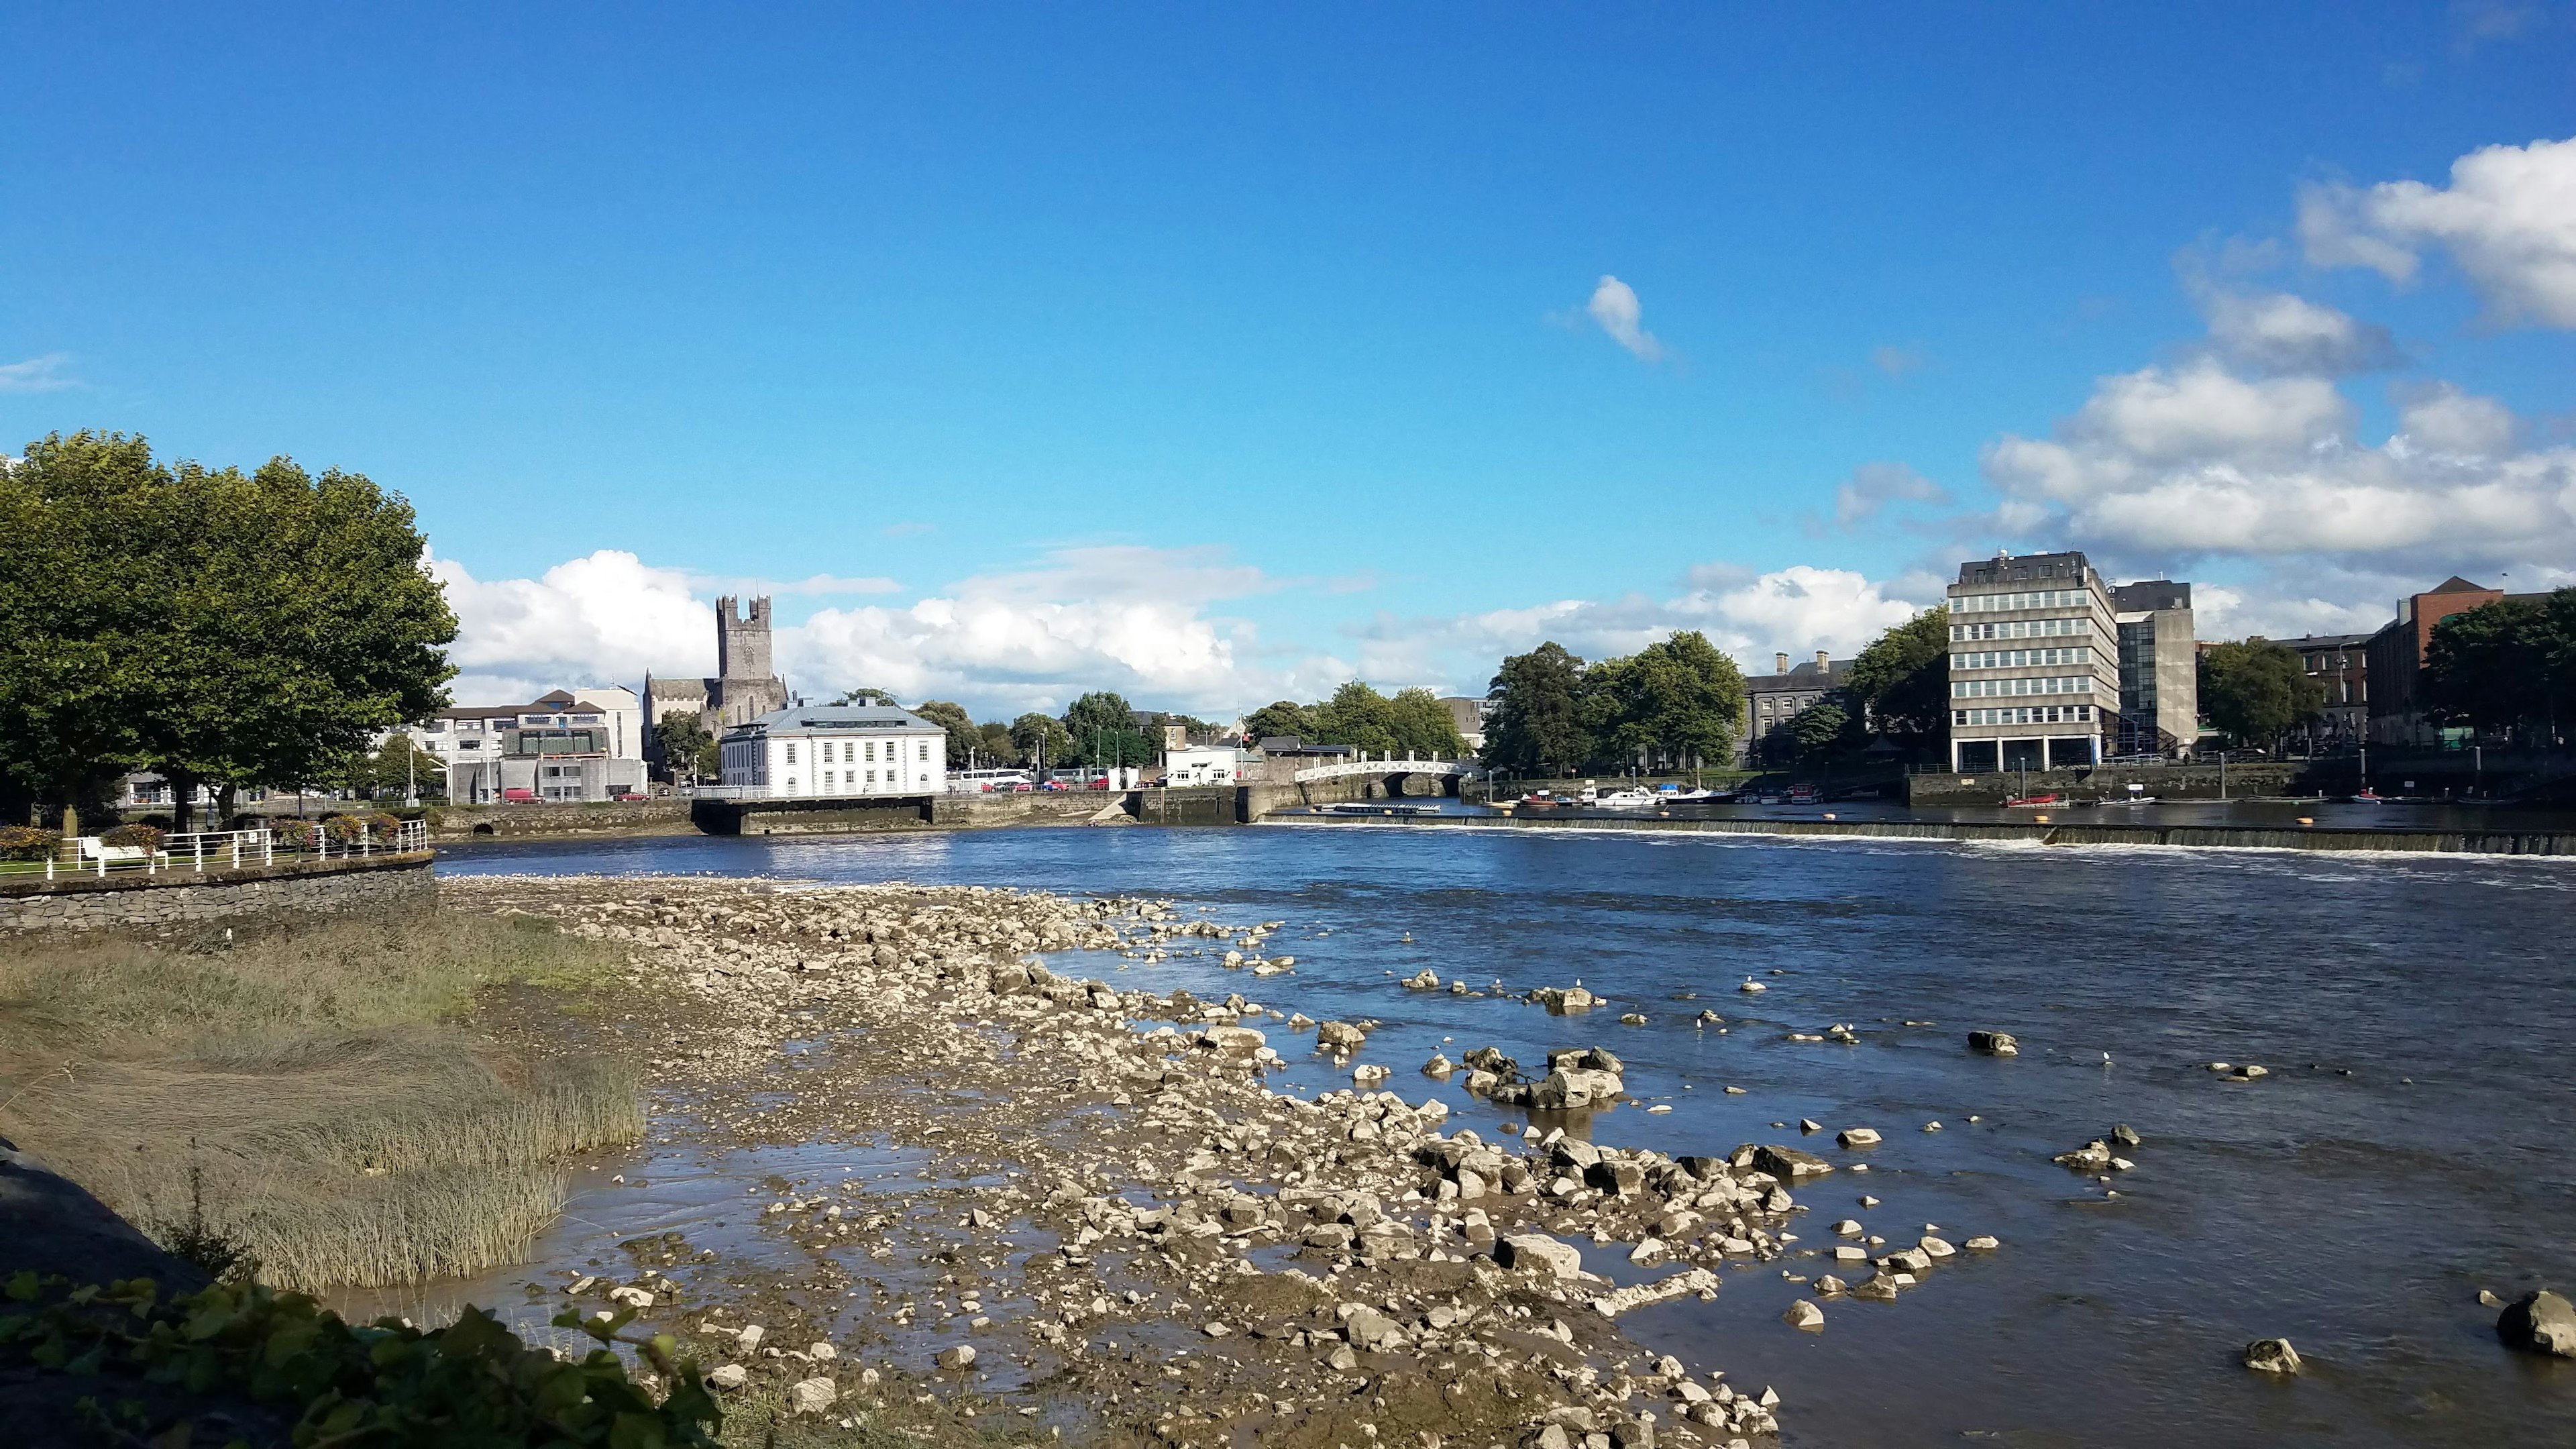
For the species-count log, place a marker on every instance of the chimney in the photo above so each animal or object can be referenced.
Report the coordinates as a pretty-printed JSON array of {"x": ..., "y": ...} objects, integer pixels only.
[
  {"x": 1823, "y": 664},
  {"x": 1783, "y": 657}
]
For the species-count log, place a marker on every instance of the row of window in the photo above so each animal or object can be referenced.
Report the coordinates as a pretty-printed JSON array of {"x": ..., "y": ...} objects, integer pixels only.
[
  {"x": 1995, "y": 603},
  {"x": 2018, "y": 658},
  {"x": 2026, "y": 714},
  {"x": 2046, "y": 684},
  {"x": 503, "y": 722},
  {"x": 1789, "y": 703},
  {"x": 2021, "y": 629},
  {"x": 851, "y": 751}
]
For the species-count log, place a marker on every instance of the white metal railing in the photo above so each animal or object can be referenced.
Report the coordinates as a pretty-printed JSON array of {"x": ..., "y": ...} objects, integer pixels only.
[
  {"x": 1386, "y": 763},
  {"x": 197, "y": 851}
]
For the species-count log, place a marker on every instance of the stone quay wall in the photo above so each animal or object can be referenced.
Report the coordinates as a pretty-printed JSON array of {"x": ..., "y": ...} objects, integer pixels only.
[
  {"x": 537, "y": 821},
  {"x": 180, "y": 902}
]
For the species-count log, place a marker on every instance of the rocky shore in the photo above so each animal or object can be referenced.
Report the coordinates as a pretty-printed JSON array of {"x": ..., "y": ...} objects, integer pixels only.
[{"x": 1107, "y": 1218}]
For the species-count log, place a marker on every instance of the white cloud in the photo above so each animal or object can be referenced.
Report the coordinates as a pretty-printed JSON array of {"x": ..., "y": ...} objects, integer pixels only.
[
  {"x": 603, "y": 619},
  {"x": 37, "y": 374},
  {"x": 2277, "y": 332},
  {"x": 1614, "y": 306},
  {"x": 1873, "y": 486},
  {"x": 1130, "y": 619},
  {"x": 2199, "y": 461},
  {"x": 1795, "y": 610},
  {"x": 2508, "y": 218},
  {"x": 1896, "y": 361}
]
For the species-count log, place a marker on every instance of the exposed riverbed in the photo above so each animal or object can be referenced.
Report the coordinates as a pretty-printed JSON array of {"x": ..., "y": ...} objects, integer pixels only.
[{"x": 2408, "y": 1148}]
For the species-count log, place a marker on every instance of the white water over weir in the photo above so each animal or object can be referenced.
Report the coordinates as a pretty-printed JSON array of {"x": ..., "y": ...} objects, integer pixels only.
[{"x": 2239, "y": 837}]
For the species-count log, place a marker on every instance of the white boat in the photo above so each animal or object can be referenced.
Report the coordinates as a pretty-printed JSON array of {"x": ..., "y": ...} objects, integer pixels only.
[{"x": 1629, "y": 800}]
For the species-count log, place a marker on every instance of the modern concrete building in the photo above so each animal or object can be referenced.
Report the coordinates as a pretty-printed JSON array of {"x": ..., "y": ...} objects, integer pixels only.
[
  {"x": 744, "y": 687},
  {"x": 2340, "y": 662},
  {"x": 2034, "y": 666},
  {"x": 564, "y": 746},
  {"x": 2159, "y": 668},
  {"x": 1772, "y": 700},
  {"x": 837, "y": 752}
]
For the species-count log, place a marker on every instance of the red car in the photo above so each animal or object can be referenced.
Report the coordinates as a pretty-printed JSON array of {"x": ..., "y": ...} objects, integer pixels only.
[{"x": 516, "y": 796}]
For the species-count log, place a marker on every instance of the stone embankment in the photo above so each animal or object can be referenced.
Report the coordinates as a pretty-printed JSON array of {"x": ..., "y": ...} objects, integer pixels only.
[{"x": 1141, "y": 1222}]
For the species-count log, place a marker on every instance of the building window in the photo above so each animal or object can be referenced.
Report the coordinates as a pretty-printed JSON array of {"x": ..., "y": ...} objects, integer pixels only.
[
  {"x": 872, "y": 777},
  {"x": 791, "y": 754}
]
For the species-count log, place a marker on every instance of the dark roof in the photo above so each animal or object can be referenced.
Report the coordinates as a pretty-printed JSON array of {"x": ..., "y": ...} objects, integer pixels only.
[
  {"x": 2325, "y": 641},
  {"x": 843, "y": 717},
  {"x": 1293, "y": 745},
  {"x": 1800, "y": 676},
  {"x": 2457, "y": 585},
  {"x": 2148, "y": 595}
]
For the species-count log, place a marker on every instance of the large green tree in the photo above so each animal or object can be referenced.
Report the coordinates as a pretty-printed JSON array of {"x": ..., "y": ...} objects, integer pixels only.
[
  {"x": 2257, "y": 690},
  {"x": 1280, "y": 717},
  {"x": 1041, "y": 739},
  {"x": 1900, "y": 684},
  {"x": 1674, "y": 702},
  {"x": 1537, "y": 726},
  {"x": 1103, "y": 730},
  {"x": 682, "y": 736},
  {"x": 1423, "y": 726},
  {"x": 223, "y": 628},
  {"x": 2507, "y": 666}
]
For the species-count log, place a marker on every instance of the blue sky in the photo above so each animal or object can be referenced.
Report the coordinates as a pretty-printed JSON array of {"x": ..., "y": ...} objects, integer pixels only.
[{"x": 1218, "y": 353}]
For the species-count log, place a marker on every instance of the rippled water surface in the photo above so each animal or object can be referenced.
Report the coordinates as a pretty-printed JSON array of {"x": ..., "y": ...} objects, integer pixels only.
[{"x": 2412, "y": 1145}]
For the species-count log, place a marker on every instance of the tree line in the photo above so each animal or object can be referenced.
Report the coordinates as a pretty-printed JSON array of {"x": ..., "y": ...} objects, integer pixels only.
[
  {"x": 1412, "y": 721},
  {"x": 2506, "y": 668},
  {"x": 1679, "y": 703},
  {"x": 221, "y": 628},
  {"x": 1097, "y": 730}
]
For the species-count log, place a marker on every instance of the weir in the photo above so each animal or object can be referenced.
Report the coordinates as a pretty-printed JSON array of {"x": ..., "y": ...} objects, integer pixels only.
[{"x": 2239, "y": 837}]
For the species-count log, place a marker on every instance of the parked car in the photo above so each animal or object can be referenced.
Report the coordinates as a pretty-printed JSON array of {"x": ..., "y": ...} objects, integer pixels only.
[{"x": 514, "y": 795}]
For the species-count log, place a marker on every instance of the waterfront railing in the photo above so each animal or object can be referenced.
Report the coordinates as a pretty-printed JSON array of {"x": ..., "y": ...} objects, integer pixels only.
[{"x": 199, "y": 851}]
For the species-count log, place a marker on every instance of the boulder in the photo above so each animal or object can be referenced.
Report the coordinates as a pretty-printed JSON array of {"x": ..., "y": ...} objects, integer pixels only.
[
  {"x": 1994, "y": 1043},
  {"x": 811, "y": 1396},
  {"x": 2543, "y": 1322},
  {"x": 1438, "y": 1066},
  {"x": 1424, "y": 980},
  {"x": 1857, "y": 1137},
  {"x": 1231, "y": 1039},
  {"x": 1590, "y": 1059},
  {"x": 2272, "y": 1356},
  {"x": 1339, "y": 1034},
  {"x": 728, "y": 1376},
  {"x": 1537, "y": 1250},
  {"x": 1804, "y": 1314},
  {"x": 1572, "y": 1090},
  {"x": 1789, "y": 1162},
  {"x": 957, "y": 1357}
]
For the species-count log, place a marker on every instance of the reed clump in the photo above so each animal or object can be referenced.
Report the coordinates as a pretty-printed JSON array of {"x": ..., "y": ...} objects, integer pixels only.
[{"x": 310, "y": 1097}]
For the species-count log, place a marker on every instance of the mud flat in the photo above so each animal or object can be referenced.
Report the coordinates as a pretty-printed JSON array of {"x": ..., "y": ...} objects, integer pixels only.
[{"x": 1023, "y": 1189}]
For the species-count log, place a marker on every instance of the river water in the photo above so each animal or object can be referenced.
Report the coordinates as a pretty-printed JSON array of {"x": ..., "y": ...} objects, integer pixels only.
[{"x": 2411, "y": 1146}]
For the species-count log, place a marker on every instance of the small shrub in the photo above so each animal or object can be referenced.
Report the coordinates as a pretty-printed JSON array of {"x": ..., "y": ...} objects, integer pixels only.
[
  {"x": 27, "y": 842},
  {"x": 296, "y": 834},
  {"x": 343, "y": 829},
  {"x": 147, "y": 836},
  {"x": 473, "y": 1382}
]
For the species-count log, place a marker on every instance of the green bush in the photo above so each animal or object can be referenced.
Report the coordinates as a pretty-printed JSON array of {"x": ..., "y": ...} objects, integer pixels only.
[
  {"x": 147, "y": 836},
  {"x": 473, "y": 1382},
  {"x": 27, "y": 842}
]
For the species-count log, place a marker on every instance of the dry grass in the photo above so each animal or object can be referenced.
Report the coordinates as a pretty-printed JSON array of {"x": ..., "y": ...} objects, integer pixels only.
[{"x": 309, "y": 1091}]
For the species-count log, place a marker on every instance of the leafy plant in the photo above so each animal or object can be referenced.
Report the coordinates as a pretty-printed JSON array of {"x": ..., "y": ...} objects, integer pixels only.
[
  {"x": 472, "y": 1382},
  {"x": 147, "y": 836},
  {"x": 27, "y": 842}
]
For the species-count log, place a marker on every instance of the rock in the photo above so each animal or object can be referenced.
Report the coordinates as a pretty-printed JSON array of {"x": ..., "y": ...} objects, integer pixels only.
[
  {"x": 1632, "y": 1018},
  {"x": 1617, "y": 1178},
  {"x": 811, "y": 1396},
  {"x": 1576, "y": 1088},
  {"x": 1232, "y": 1039},
  {"x": 2125, "y": 1135},
  {"x": 1563, "y": 999},
  {"x": 1369, "y": 1072},
  {"x": 2487, "y": 1296},
  {"x": 1804, "y": 1314},
  {"x": 2272, "y": 1356},
  {"x": 1552, "y": 1436},
  {"x": 1935, "y": 1249},
  {"x": 728, "y": 1376},
  {"x": 1983, "y": 1243},
  {"x": 1848, "y": 1228},
  {"x": 1339, "y": 1034},
  {"x": 1217, "y": 1330},
  {"x": 1438, "y": 1066},
  {"x": 1810, "y": 1125},
  {"x": 1342, "y": 1359},
  {"x": 749, "y": 1336},
  {"x": 2091, "y": 1157},
  {"x": 1425, "y": 980},
  {"x": 1537, "y": 1250},
  {"x": 957, "y": 1357},
  {"x": 1789, "y": 1162},
  {"x": 1368, "y": 1329},
  {"x": 1857, "y": 1137},
  {"x": 2543, "y": 1322},
  {"x": 823, "y": 1351},
  {"x": 1994, "y": 1043},
  {"x": 1751, "y": 986}
]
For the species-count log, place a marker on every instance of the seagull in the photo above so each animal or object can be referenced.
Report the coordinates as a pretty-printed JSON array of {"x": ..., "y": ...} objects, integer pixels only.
[{"x": 2106, "y": 1059}]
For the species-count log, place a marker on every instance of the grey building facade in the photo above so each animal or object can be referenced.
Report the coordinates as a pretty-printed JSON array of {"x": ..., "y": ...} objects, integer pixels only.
[
  {"x": 2159, "y": 668},
  {"x": 2034, "y": 667}
]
